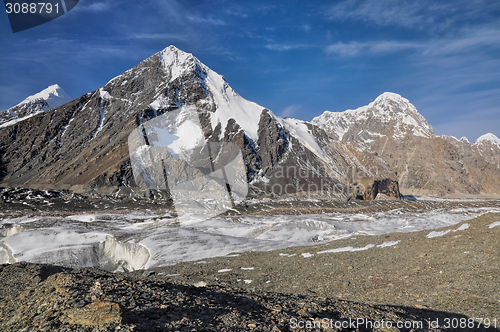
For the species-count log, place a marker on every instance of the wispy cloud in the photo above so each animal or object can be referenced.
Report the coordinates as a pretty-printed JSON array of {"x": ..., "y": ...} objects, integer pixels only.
[
  {"x": 290, "y": 110},
  {"x": 238, "y": 11},
  {"x": 49, "y": 48},
  {"x": 474, "y": 41},
  {"x": 421, "y": 15},
  {"x": 382, "y": 47},
  {"x": 349, "y": 49},
  {"x": 286, "y": 47},
  {"x": 205, "y": 20},
  {"x": 167, "y": 36},
  {"x": 94, "y": 6},
  {"x": 306, "y": 27}
]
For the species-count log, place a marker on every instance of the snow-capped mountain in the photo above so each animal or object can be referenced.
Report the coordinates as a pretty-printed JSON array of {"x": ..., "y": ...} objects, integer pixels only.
[
  {"x": 388, "y": 115},
  {"x": 425, "y": 164},
  {"x": 488, "y": 138},
  {"x": 83, "y": 144},
  {"x": 52, "y": 96}
]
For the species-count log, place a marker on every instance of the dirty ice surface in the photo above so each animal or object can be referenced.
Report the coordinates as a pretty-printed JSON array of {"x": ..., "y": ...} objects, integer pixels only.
[{"x": 125, "y": 242}]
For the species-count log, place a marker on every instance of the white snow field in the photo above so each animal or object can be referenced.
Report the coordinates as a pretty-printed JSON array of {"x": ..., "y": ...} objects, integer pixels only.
[{"x": 127, "y": 242}]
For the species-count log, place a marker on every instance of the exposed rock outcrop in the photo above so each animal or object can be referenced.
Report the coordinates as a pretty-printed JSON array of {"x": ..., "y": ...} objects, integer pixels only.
[
  {"x": 425, "y": 164},
  {"x": 82, "y": 145}
]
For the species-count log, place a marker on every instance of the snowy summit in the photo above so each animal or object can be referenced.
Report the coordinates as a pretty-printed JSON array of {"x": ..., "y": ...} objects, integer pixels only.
[
  {"x": 48, "y": 98},
  {"x": 490, "y": 138},
  {"x": 228, "y": 103},
  {"x": 54, "y": 95},
  {"x": 388, "y": 115}
]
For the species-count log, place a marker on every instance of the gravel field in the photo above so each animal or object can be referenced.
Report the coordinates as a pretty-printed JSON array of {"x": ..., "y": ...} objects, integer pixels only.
[{"x": 428, "y": 281}]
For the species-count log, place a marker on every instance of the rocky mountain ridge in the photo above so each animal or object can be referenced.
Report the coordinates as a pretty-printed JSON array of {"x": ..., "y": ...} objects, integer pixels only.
[
  {"x": 426, "y": 164},
  {"x": 82, "y": 145},
  {"x": 388, "y": 115},
  {"x": 488, "y": 138},
  {"x": 46, "y": 99}
]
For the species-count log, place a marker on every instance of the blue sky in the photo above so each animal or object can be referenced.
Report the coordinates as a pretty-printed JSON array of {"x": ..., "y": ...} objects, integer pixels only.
[{"x": 297, "y": 58}]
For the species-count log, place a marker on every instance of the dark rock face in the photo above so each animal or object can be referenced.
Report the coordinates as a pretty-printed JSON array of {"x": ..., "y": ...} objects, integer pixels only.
[
  {"x": 273, "y": 142},
  {"x": 425, "y": 164},
  {"x": 46, "y": 99},
  {"x": 24, "y": 110},
  {"x": 371, "y": 189},
  {"x": 387, "y": 187},
  {"x": 82, "y": 145},
  {"x": 3, "y": 169},
  {"x": 233, "y": 134},
  {"x": 441, "y": 165}
]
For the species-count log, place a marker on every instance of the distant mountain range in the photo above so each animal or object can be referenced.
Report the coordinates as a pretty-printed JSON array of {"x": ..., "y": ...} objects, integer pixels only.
[
  {"x": 425, "y": 164},
  {"x": 372, "y": 152},
  {"x": 46, "y": 99}
]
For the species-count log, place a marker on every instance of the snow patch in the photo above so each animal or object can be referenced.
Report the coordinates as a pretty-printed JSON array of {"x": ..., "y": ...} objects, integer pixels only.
[
  {"x": 105, "y": 95},
  {"x": 488, "y": 138},
  {"x": 54, "y": 95},
  {"x": 462, "y": 228},
  {"x": 83, "y": 217},
  {"x": 230, "y": 104},
  {"x": 224, "y": 270},
  {"x": 441, "y": 233},
  {"x": 464, "y": 140},
  {"x": 434, "y": 234},
  {"x": 300, "y": 130},
  {"x": 344, "y": 249},
  {"x": 495, "y": 224},
  {"x": 388, "y": 244}
]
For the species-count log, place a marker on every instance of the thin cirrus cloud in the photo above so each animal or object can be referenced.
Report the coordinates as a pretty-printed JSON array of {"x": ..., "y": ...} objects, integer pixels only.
[
  {"x": 420, "y": 15},
  {"x": 382, "y": 47},
  {"x": 160, "y": 36},
  {"x": 290, "y": 110},
  {"x": 473, "y": 41},
  {"x": 205, "y": 20},
  {"x": 50, "y": 48},
  {"x": 379, "y": 12},
  {"x": 94, "y": 7},
  {"x": 286, "y": 47}
]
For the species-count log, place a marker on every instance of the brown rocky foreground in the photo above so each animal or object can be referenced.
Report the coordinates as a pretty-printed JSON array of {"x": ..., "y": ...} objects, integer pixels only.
[{"x": 444, "y": 283}]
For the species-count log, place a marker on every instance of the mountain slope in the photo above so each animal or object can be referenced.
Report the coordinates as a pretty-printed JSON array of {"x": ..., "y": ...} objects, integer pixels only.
[
  {"x": 82, "y": 145},
  {"x": 388, "y": 115},
  {"x": 425, "y": 163},
  {"x": 488, "y": 138},
  {"x": 46, "y": 99}
]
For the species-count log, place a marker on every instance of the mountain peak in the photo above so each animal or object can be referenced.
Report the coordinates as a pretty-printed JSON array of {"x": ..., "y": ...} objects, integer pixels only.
[
  {"x": 177, "y": 61},
  {"x": 50, "y": 97},
  {"x": 488, "y": 137},
  {"x": 390, "y": 96},
  {"x": 388, "y": 115},
  {"x": 387, "y": 100},
  {"x": 54, "y": 95}
]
